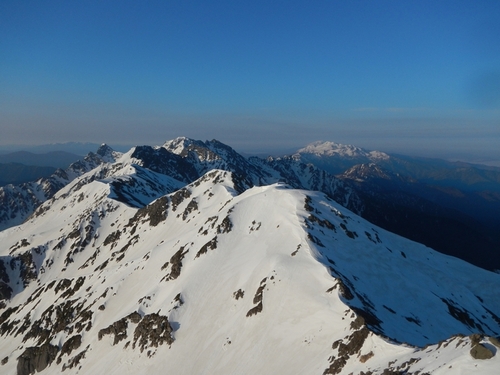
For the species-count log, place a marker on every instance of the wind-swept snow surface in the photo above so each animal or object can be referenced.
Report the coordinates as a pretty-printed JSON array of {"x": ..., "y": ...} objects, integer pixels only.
[{"x": 210, "y": 279}]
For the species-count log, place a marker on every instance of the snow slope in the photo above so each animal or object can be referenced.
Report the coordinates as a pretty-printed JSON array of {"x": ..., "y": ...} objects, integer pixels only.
[
  {"x": 18, "y": 202},
  {"x": 211, "y": 279}
]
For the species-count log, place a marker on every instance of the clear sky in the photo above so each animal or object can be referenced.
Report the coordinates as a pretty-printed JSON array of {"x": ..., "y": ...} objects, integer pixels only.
[{"x": 421, "y": 77}]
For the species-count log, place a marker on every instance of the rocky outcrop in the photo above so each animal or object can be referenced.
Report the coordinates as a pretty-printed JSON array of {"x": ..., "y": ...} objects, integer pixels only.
[
  {"x": 479, "y": 351},
  {"x": 36, "y": 358},
  {"x": 152, "y": 331}
]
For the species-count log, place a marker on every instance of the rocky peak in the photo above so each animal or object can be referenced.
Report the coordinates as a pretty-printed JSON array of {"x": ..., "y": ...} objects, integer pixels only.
[
  {"x": 183, "y": 145},
  {"x": 164, "y": 161},
  {"x": 104, "y": 150}
]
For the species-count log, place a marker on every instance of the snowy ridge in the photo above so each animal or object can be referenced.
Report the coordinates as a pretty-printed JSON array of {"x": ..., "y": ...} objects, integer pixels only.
[
  {"x": 209, "y": 155},
  {"x": 452, "y": 209},
  {"x": 183, "y": 160},
  {"x": 212, "y": 279},
  {"x": 17, "y": 203},
  {"x": 107, "y": 154},
  {"x": 306, "y": 176}
]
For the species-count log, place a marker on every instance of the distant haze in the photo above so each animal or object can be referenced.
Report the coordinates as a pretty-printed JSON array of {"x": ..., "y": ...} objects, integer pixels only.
[{"x": 415, "y": 77}]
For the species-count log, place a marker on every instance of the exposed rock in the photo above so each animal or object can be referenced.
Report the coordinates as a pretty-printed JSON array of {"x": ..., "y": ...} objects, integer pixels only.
[
  {"x": 153, "y": 330},
  {"x": 118, "y": 329},
  {"x": 134, "y": 317},
  {"x": 392, "y": 372},
  {"x": 63, "y": 284},
  {"x": 85, "y": 320},
  {"x": 344, "y": 290},
  {"x": 75, "y": 360},
  {"x": 192, "y": 205},
  {"x": 307, "y": 204},
  {"x": 315, "y": 239},
  {"x": 36, "y": 358},
  {"x": 179, "y": 196},
  {"x": 71, "y": 291},
  {"x": 348, "y": 347},
  {"x": 178, "y": 301},
  {"x": 354, "y": 342},
  {"x": 257, "y": 299},
  {"x": 365, "y": 357},
  {"x": 255, "y": 310},
  {"x": 358, "y": 323},
  {"x": 259, "y": 294},
  {"x": 5, "y": 326},
  {"x": 71, "y": 344},
  {"x": 112, "y": 238},
  {"x": 176, "y": 262},
  {"x": 164, "y": 162},
  {"x": 238, "y": 294},
  {"x": 479, "y": 351},
  {"x": 322, "y": 223},
  {"x": 349, "y": 233},
  {"x": 156, "y": 212},
  {"x": 57, "y": 318},
  {"x": 475, "y": 339},
  {"x": 210, "y": 245},
  {"x": 225, "y": 226}
]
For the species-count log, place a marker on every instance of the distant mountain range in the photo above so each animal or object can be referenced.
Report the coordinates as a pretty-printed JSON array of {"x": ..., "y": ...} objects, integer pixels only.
[
  {"x": 337, "y": 158},
  {"x": 22, "y": 166},
  {"x": 55, "y": 159},
  {"x": 451, "y": 207},
  {"x": 15, "y": 173},
  {"x": 78, "y": 148},
  {"x": 188, "y": 258}
]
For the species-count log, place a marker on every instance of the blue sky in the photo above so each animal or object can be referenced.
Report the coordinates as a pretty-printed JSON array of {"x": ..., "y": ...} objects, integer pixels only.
[{"x": 416, "y": 76}]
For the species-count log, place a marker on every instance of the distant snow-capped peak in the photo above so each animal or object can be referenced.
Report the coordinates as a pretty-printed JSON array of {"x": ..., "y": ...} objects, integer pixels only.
[
  {"x": 107, "y": 154},
  {"x": 135, "y": 265},
  {"x": 284, "y": 275},
  {"x": 178, "y": 145},
  {"x": 321, "y": 148}
]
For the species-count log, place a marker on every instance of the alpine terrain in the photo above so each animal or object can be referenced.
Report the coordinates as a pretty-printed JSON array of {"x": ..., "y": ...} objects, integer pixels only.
[
  {"x": 187, "y": 258},
  {"x": 453, "y": 207}
]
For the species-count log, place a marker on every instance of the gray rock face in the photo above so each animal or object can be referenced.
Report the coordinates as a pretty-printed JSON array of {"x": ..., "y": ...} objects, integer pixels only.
[
  {"x": 480, "y": 351},
  {"x": 152, "y": 331},
  {"x": 36, "y": 358}
]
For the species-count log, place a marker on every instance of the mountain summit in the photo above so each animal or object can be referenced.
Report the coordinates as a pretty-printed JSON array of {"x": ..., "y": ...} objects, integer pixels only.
[
  {"x": 129, "y": 270},
  {"x": 321, "y": 148}
]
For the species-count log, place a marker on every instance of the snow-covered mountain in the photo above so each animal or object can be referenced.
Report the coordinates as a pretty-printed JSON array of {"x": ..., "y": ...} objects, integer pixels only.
[
  {"x": 451, "y": 207},
  {"x": 182, "y": 159},
  {"x": 226, "y": 275},
  {"x": 336, "y": 157},
  {"x": 17, "y": 202},
  {"x": 320, "y": 148}
]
